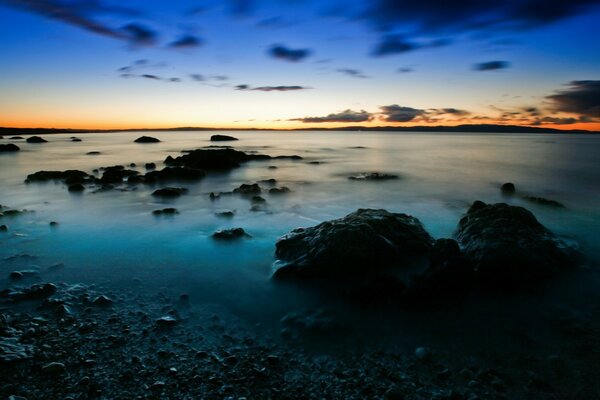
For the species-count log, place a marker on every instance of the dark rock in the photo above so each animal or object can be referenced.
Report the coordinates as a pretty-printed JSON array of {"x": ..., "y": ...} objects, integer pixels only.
[
  {"x": 225, "y": 214},
  {"x": 217, "y": 159},
  {"x": 102, "y": 301},
  {"x": 54, "y": 368},
  {"x": 15, "y": 275},
  {"x": 53, "y": 223},
  {"x": 247, "y": 189},
  {"x": 258, "y": 200},
  {"x": 292, "y": 157},
  {"x": 230, "y": 234},
  {"x": 509, "y": 248},
  {"x": 76, "y": 187},
  {"x": 271, "y": 181},
  {"x": 372, "y": 176},
  {"x": 74, "y": 176},
  {"x": 222, "y": 138},
  {"x": 165, "y": 322},
  {"x": 423, "y": 354},
  {"x": 174, "y": 173},
  {"x": 150, "y": 166},
  {"x": 16, "y": 138},
  {"x": 169, "y": 192},
  {"x": 3, "y": 228},
  {"x": 93, "y": 153},
  {"x": 9, "y": 148},
  {"x": 544, "y": 202},
  {"x": 281, "y": 190},
  {"x": 116, "y": 174},
  {"x": 36, "y": 139},
  {"x": 75, "y": 139},
  {"x": 146, "y": 139},
  {"x": 508, "y": 189},
  {"x": 364, "y": 244},
  {"x": 35, "y": 292},
  {"x": 166, "y": 211}
]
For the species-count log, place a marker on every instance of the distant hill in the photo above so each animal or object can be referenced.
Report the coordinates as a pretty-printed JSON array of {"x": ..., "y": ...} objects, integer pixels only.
[{"x": 483, "y": 128}]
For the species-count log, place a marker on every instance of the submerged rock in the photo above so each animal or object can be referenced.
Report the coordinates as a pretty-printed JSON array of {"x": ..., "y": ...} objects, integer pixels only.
[
  {"x": 247, "y": 189},
  {"x": 225, "y": 214},
  {"x": 36, "y": 139},
  {"x": 16, "y": 138},
  {"x": 544, "y": 202},
  {"x": 509, "y": 248},
  {"x": 9, "y": 148},
  {"x": 116, "y": 174},
  {"x": 93, "y": 153},
  {"x": 222, "y": 138},
  {"x": 146, "y": 139},
  {"x": 372, "y": 176},
  {"x": 3, "y": 228},
  {"x": 174, "y": 173},
  {"x": 165, "y": 211},
  {"x": 76, "y": 187},
  {"x": 75, "y": 139},
  {"x": 364, "y": 244},
  {"x": 230, "y": 234},
  {"x": 150, "y": 166},
  {"x": 34, "y": 292},
  {"x": 169, "y": 192},
  {"x": 280, "y": 190}
]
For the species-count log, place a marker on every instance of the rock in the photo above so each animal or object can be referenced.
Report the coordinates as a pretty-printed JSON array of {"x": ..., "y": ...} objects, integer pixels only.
[
  {"x": 73, "y": 176},
  {"x": 146, "y": 139},
  {"x": 423, "y": 354},
  {"x": 102, "y": 301},
  {"x": 150, "y": 166},
  {"x": 15, "y": 275},
  {"x": 54, "y": 368},
  {"x": 544, "y": 202},
  {"x": 36, "y": 139},
  {"x": 222, "y": 138},
  {"x": 225, "y": 214},
  {"x": 367, "y": 243},
  {"x": 230, "y": 234},
  {"x": 9, "y": 148},
  {"x": 165, "y": 211},
  {"x": 56, "y": 267},
  {"x": 169, "y": 192},
  {"x": 508, "y": 189},
  {"x": 247, "y": 189},
  {"x": 34, "y": 292},
  {"x": 116, "y": 174},
  {"x": 16, "y": 138},
  {"x": 174, "y": 173},
  {"x": 28, "y": 273},
  {"x": 3, "y": 228},
  {"x": 93, "y": 153},
  {"x": 281, "y": 190},
  {"x": 271, "y": 181},
  {"x": 165, "y": 322},
  {"x": 53, "y": 224},
  {"x": 76, "y": 187},
  {"x": 258, "y": 200},
  {"x": 75, "y": 139},
  {"x": 372, "y": 176},
  {"x": 394, "y": 393},
  {"x": 214, "y": 159},
  {"x": 509, "y": 248}
]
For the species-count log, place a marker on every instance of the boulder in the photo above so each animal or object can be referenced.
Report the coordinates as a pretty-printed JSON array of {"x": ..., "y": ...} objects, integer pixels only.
[
  {"x": 222, "y": 138},
  {"x": 116, "y": 174},
  {"x": 509, "y": 248},
  {"x": 367, "y": 243},
  {"x": 16, "y": 138},
  {"x": 73, "y": 175},
  {"x": 230, "y": 234},
  {"x": 218, "y": 159},
  {"x": 36, "y": 139},
  {"x": 508, "y": 189},
  {"x": 165, "y": 211},
  {"x": 150, "y": 166},
  {"x": 247, "y": 189},
  {"x": 169, "y": 192},
  {"x": 146, "y": 139},
  {"x": 76, "y": 187},
  {"x": 9, "y": 148}
]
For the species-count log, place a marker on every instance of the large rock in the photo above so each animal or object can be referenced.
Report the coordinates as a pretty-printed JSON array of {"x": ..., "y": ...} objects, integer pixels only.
[
  {"x": 36, "y": 139},
  {"x": 9, "y": 148},
  {"x": 71, "y": 175},
  {"x": 509, "y": 248},
  {"x": 214, "y": 159},
  {"x": 222, "y": 138},
  {"x": 116, "y": 174},
  {"x": 364, "y": 244}
]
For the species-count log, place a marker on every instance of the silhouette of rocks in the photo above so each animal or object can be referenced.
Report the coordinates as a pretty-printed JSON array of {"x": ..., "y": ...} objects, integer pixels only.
[
  {"x": 247, "y": 189},
  {"x": 218, "y": 159},
  {"x": 146, "y": 139},
  {"x": 222, "y": 138},
  {"x": 169, "y": 192},
  {"x": 509, "y": 248},
  {"x": 72, "y": 175},
  {"x": 508, "y": 189}
]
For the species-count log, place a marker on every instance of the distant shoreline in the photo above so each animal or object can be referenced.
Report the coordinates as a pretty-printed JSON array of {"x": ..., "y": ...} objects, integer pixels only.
[{"x": 485, "y": 128}]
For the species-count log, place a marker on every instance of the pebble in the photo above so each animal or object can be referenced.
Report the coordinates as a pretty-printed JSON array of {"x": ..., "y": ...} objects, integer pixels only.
[
  {"x": 54, "y": 368},
  {"x": 423, "y": 354}
]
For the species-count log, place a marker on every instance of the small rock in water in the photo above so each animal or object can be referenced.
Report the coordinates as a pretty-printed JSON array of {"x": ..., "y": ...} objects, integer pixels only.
[
  {"x": 150, "y": 166},
  {"x": 53, "y": 223},
  {"x": 9, "y": 148},
  {"x": 166, "y": 211},
  {"x": 225, "y": 214},
  {"x": 258, "y": 200},
  {"x": 230, "y": 234},
  {"x": 543, "y": 201},
  {"x": 372, "y": 176},
  {"x": 169, "y": 192},
  {"x": 77, "y": 187},
  {"x": 166, "y": 322},
  {"x": 281, "y": 190},
  {"x": 222, "y": 138},
  {"x": 93, "y": 153},
  {"x": 102, "y": 301},
  {"x": 3, "y": 228},
  {"x": 508, "y": 188},
  {"x": 247, "y": 189},
  {"x": 146, "y": 139},
  {"x": 36, "y": 139}
]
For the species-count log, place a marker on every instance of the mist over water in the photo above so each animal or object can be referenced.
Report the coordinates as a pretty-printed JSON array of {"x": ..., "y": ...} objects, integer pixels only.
[{"x": 112, "y": 238}]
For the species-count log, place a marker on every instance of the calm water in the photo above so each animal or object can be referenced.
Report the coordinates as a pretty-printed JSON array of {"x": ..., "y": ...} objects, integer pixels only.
[{"x": 112, "y": 238}]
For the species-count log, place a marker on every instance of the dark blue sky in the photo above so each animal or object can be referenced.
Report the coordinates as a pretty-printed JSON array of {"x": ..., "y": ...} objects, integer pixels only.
[{"x": 293, "y": 63}]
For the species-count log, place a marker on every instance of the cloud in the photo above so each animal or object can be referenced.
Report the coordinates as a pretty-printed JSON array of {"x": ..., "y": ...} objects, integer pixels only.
[
  {"x": 394, "y": 44},
  {"x": 186, "y": 42},
  {"x": 581, "y": 97},
  {"x": 448, "y": 111},
  {"x": 139, "y": 35},
  {"x": 352, "y": 72},
  {"x": 272, "y": 88},
  {"x": 556, "y": 121},
  {"x": 491, "y": 65},
  {"x": 197, "y": 77},
  {"x": 405, "y": 70},
  {"x": 150, "y": 76},
  {"x": 396, "y": 113},
  {"x": 285, "y": 53},
  {"x": 347, "y": 116},
  {"x": 80, "y": 14}
]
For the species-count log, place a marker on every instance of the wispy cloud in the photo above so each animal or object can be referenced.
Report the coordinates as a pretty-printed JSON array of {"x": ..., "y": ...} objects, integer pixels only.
[
  {"x": 352, "y": 72},
  {"x": 287, "y": 54},
  {"x": 491, "y": 65},
  {"x": 345, "y": 116}
]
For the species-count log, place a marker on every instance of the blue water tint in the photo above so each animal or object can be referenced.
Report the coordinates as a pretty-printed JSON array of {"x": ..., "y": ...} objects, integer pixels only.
[{"x": 112, "y": 237}]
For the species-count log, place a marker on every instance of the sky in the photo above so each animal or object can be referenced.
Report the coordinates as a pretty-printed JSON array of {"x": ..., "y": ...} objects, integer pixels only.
[{"x": 284, "y": 64}]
